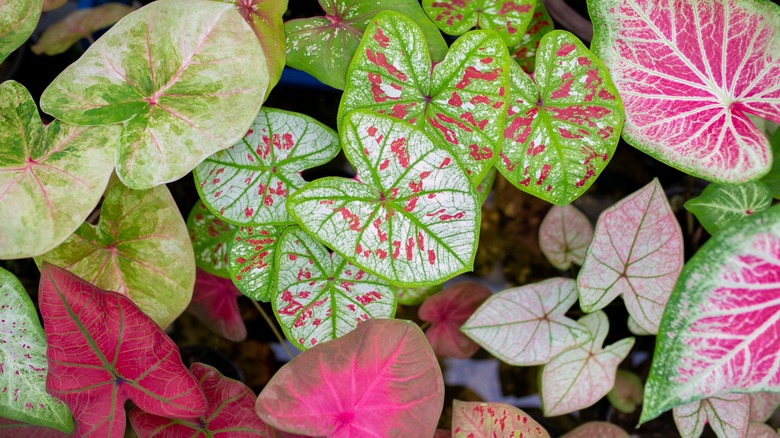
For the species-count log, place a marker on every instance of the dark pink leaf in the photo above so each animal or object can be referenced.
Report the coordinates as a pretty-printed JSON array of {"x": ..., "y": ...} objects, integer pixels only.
[
  {"x": 230, "y": 412},
  {"x": 447, "y": 311},
  {"x": 214, "y": 304},
  {"x": 103, "y": 351},
  {"x": 381, "y": 379},
  {"x": 11, "y": 428},
  {"x": 477, "y": 420}
]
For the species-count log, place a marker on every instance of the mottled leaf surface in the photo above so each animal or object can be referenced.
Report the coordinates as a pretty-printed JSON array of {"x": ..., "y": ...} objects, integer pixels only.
[
  {"x": 689, "y": 73},
  {"x": 253, "y": 261},
  {"x": 600, "y": 429},
  {"x": 720, "y": 205},
  {"x": 23, "y": 365},
  {"x": 508, "y": 18},
  {"x": 563, "y": 125},
  {"x": 414, "y": 296},
  {"x": 483, "y": 420},
  {"x": 103, "y": 350},
  {"x": 412, "y": 217},
  {"x": 564, "y": 236},
  {"x": 723, "y": 332},
  {"x": 447, "y": 311},
  {"x": 214, "y": 304},
  {"x": 50, "y": 177},
  {"x": 249, "y": 182},
  {"x": 395, "y": 385},
  {"x": 637, "y": 252},
  {"x": 527, "y": 325},
  {"x": 579, "y": 377},
  {"x": 524, "y": 52},
  {"x": 320, "y": 296},
  {"x": 211, "y": 239},
  {"x": 18, "y": 19},
  {"x": 763, "y": 405},
  {"x": 192, "y": 92},
  {"x": 627, "y": 393},
  {"x": 459, "y": 102},
  {"x": 727, "y": 414},
  {"x": 139, "y": 248},
  {"x": 80, "y": 23}
]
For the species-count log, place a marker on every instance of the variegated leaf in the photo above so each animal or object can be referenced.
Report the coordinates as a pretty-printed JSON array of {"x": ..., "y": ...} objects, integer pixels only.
[
  {"x": 720, "y": 205},
  {"x": 211, "y": 238},
  {"x": 763, "y": 405},
  {"x": 509, "y": 18},
  {"x": 81, "y": 23},
  {"x": 727, "y": 414},
  {"x": 253, "y": 261},
  {"x": 564, "y": 236},
  {"x": 478, "y": 419},
  {"x": 18, "y": 19},
  {"x": 761, "y": 430},
  {"x": 524, "y": 52}
]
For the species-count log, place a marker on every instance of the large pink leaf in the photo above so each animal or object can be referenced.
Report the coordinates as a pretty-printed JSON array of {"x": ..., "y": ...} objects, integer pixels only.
[
  {"x": 689, "y": 72},
  {"x": 478, "y": 420},
  {"x": 381, "y": 379},
  {"x": 103, "y": 351},
  {"x": 214, "y": 304},
  {"x": 447, "y": 311},
  {"x": 599, "y": 429},
  {"x": 564, "y": 236},
  {"x": 230, "y": 412},
  {"x": 726, "y": 414}
]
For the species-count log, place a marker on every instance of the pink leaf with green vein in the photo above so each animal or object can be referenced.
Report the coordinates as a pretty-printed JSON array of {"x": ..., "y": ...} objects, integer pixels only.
[
  {"x": 564, "y": 236},
  {"x": 412, "y": 217},
  {"x": 627, "y": 393},
  {"x": 320, "y": 296},
  {"x": 229, "y": 413},
  {"x": 763, "y": 405},
  {"x": 103, "y": 351},
  {"x": 249, "y": 182},
  {"x": 722, "y": 334},
  {"x": 563, "y": 125},
  {"x": 459, "y": 102},
  {"x": 485, "y": 420},
  {"x": 760, "y": 430},
  {"x": 727, "y": 414},
  {"x": 10, "y": 428},
  {"x": 211, "y": 238},
  {"x": 689, "y": 72},
  {"x": 600, "y": 429},
  {"x": 382, "y": 379},
  {"x": 720, "y": 205},
  {"x": 81, "y": 23},
  {"x": 214, "y": 304},
  {"x": 18, "y": 19},
  {"x": 447, "y": 311},
  {"x": 579, "y": 377},
  {"x": 527, "y": 325},
  {"x": 509, "y": 18},
  {"x": 139, "y": 248},
  {"x": 253, "y": 261},
  {"x": 524, "y": 52},
  {"x": 637, "y": 252}
]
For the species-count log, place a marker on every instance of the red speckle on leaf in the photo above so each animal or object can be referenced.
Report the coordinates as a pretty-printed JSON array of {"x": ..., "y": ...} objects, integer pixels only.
[
  {"x": 455, "y": 100},
  {"x": 376, "y": 90},
  {"x": 398, "y": 148},
  {"x": 564, "y": 91},
  {"x": 383, "y": 165},
  {"x": 565, "y": 49},
  {"x": 268, "y": 201},
  {"x": 472, "y": 73},
  {"x": 534, "y": 149},
  {"x": 565, "y": 133},
  {"x": 484, "y": 154},
  {"x": 431, "y": 256},
  {"x": 380, "y": 60},
  {"x": 381, "y": 38},
  {"x": 590, "y": 168},
  {"x": 592, "y": 84},
  {"x": 411, "y": 203},
  {"x": 520, "y": 127},
  {"x": 544, "y": 174},
  {"x": 511, "y": 6},
  {"x": 396, "y": 249},
  {"x": 292, "y": 257},
  {"x": 368, "y": 297},
  {"x": 401, "y": 110},
  {"x": 371, "y": 131},
  {"x": 380, "y": 253},
  {"x": 248, "y": 212},
  {"x": 487, "y": 60},
  {"x": 444, "y": 163}
]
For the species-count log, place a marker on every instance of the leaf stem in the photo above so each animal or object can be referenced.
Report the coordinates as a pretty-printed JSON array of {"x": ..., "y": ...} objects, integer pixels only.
[{"x": 271, "y": 324}]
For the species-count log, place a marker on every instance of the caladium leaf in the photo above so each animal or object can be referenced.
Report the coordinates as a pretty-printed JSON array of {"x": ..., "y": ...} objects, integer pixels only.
[
  {"x": 600, "y": 429},
  {"x": 635, "y": 328},
  {"x": 211, "y": 239},
  {"x": 627, "y": 393},
  {"x": 727, "y": 414},
  {"x": 564, "y": 236},
  {"x": 527, "y": 325},
  {"x": 760, "y": 430},
  {"x": 484, "y": 187},
  {"x": 103, "y": 350},
  {"x": 253, "y": 261},
  {"x": 414, "y": 296},
  {"x": 763, "y": 405},
  {"x": 214, "y": 304},
  {"x": 524, "y": 52},
  {"x": 50, "y": 177},
  {"x": 689, "y": 74},
  {"x": 49, "y": 5},
  {"x": 139, "y": 248},
  {"x": 396, "y": 387},
  {"x": 509, "y": 18},
  {"x": 459, "y": 102},
  {"x": 11, "y": 428},
  {"x": 478, "y": 419},
  {"x": 23, "y": 365},
  {"x": 412, "y": 218},
  {"x": 248, "y": 183},
  {"x": 720, "y": 205},
  {"x": 230, "y": 412},
  {"x": 637, "y": 251},
  {"x": 563, "y": 125},
  {"x": 17, "y": 21},
  {"x": 324, "y": 46},
  {"x": 726, "y": 316},
  {"x": 81, "y": 23},
  {"x": 320, "y": 296},
  {"x": 579, "y": 377},
  {"x": 447, "y": 311},
  {"x": 193, "y": 92},
  {"x": 772, "y": 179}
]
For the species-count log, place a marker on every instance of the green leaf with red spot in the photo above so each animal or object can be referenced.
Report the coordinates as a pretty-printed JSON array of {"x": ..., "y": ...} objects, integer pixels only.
[
  {"x": 720, "y": 205},
  {"x": 320, "y": 296},
  {"x": 459, "y": 102},
  {"x": 411, "y": 216},
  {"x": 211, "y": 238},
  {"x": 249, "y": 182},
  {"x": 524, "y": 52},
  {"x": 18, "y": 19},
  {"x": 563, "y": 125},
  {"x": 727, "y": 415},
  {"x": 253, "y": 260},
  {"x": 509, "y": 18},
  {"x": 478, "y": 419}
]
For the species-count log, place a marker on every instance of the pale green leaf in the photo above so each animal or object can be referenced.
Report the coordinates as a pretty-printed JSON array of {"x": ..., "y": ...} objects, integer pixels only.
[
  {"x": 627, "y": 393},
  {"x": 81, "y": 23},
  {"x": 720, "y": 205},
  {"x": 18, "y": 19}
]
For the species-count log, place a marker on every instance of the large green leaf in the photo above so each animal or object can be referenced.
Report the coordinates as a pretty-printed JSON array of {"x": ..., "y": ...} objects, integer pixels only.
[
  {"x": 509, "y": 18},
  {"x": 412, "y": 217},
  {"x": 18, "y": 19},
  {"x": 140, "y": 248},
  {"x": 720, "y": 205},
  {"x": 252, "y": 260},
  {"x": 211, "y": 239},
  {"x": 23, "y": 365},
  {"x": 193, "y": 91},
  {"x": 50, "y": 178}
]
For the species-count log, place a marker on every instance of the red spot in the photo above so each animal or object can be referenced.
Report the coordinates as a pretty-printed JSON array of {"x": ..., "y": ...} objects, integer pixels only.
[
  {"x": 469, "y": 117},
  {"x": 381, "y": 38},
  {"x": 372, "y": 131},
  {"x": 401, "y": 110},
  {"x": 420, "y": 241},
  {"x": 455, "y": 100},
  {"x": 590, "y": 168},
  {"x": 379, "y": 59},
  {"x": 592, "y": 84},
  {"x": 533, "y": 149},
  {"x": 448, "y": 133},
  {"x": 566, "y": 82},
  {"x": 409, "y": 248},
  {"x": 487, "y": 60},
  {"x": 384, "y": 164},
  {"x": 544, "y": 174},
  {"x": 398, "y": 148},
  {"x": 480, "y": 154},
  {"x": 565, "y": 49},
  {"x": 458, "y": 215},
  {"x": 520, "y": 127},
  {"x": 292, "y": 257},
  {"x": 368, "y": 297},
  {"x": 431, "y": 256},
  {"x": 581, "y": 60},
  {"x": 480, "y": 98},
  {"x": 376, "y": 90},
  {"x": 444, "y": 163},
  {"x": 411, "y": 204},
  {"x": 248, "y": 212},
  {"x": 352, "y": 219},
  {"x": 268, "y": 201},
  {"x": 565, "y": 133},
  {"x": 508, "y": 7},
  {"x": 472, "y": 73},
  {"x": 396, "y": 248},
  {"x": 382, "y": 254}
]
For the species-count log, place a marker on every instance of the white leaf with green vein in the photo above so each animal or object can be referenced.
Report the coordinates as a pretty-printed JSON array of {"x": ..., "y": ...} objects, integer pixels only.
[
  {"x": 720, "y": 205},
  {"x": 252, "y": 260},
  {"x": 726, "y": 414},
  {"x": 18, "y": 19},
  {"x": 564, "y": 236}
]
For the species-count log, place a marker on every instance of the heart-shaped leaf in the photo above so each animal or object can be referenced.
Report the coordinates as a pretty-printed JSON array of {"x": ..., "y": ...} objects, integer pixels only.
[
  {"x": 253, "y": 261},
  {"x": 249, "y": 183},
  {"x": 381, "y": 379},
  {"x": 689, "y": 74},
  {"x": 211, "y": 239},
  {"x": 324, "y": 46},
  {"x": 720, "y": 205},
  {"x": 103, "y": 350},
  {"x": 412, "y": 218},
  {"x": 524, "y": 52},
  {"x": 50, "y": 177},
  {"x": 23, "y": 365},
  {"x": 722, "y": 333},
  {"x": 140, "y": 248},
  {"x": 414, "y": 296},
  {"x": 10, "y": 428},
  {"x": 763, "y": 405},
  {"x": 214, "y": 304},
  {"x": 579, "y": 377},
  {"x": 600, "y": 429},
  {"x": 447, "y": 311},
  {"x": 635, "y": 328},
  {"x": 727, "y": 414},
  {"x": 772, "y": 179},
  {"x": 458, "y": 102},
  {"x": 193, "y": 92},
  {"x": 478, "y": 419},
  {"x": 320, "y": 296},
  {"x": 563, "y": 125},
  {"x": 527, "y": 325},
  {"x": 230, "y": 412},
  {"x": 509, "y": 18},
  {"x": 637, "y": 251},
  {"x": 81, "y": 23},
  {"x": 564, "y": 236},
  {"x": 627, "y": 393},
  {"x": 17, "y": 21}
]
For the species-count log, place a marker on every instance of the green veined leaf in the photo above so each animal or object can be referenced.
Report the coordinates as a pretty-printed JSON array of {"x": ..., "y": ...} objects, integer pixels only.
[
  {"x": 524, "y": 52},
  {"x": 211, "y": 238},
  {"x": 720, "y": 205},
  {"x": 727, "y": 414},
  {"x": 18, "y": 19},
  {"x": 509, "y": 18},
  {"x": 564, "y": 236},
  {"x": 635, "y": 328},
  {"x": 772, "y": 179},
  {"x": 253, "y": 260},
  {"x": 79, "y": 24}
]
